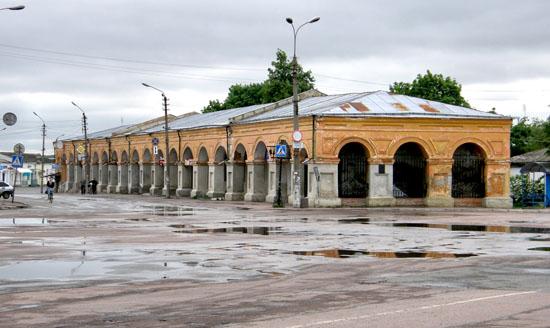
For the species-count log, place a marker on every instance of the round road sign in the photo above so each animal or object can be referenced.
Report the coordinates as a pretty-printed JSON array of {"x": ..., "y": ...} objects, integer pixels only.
[
  {"x": 297, "y": 136},
  {"x": 19, "y": 148},
  {"x": 10, "y": 119}
]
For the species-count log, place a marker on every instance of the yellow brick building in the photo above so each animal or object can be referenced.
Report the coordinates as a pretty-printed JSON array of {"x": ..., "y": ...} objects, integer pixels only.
[{"x": 372, "y": 149}]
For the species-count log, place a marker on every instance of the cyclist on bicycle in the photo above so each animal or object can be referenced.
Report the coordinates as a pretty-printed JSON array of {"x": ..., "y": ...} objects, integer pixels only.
[{"x": 49, "y": 189}]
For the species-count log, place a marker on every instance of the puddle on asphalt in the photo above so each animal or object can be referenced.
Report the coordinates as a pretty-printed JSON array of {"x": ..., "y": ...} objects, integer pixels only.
[
  {"x": 63, "y": 270},
  {"x": 23, "y": 221},
  {"x": 346, "y": 253},
  {"x": 138, "y": 219},
  {"x": 539, "y": 238},
  {"x": 170, "y": 210},
  {"x": 248, "y": 230},
  {"x": 543, "y": 249},
  {"x": 452, "y": 227}
]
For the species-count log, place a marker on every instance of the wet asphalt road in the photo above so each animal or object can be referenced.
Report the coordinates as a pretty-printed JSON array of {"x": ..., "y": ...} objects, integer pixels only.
[{"x": 139, "y": 261}]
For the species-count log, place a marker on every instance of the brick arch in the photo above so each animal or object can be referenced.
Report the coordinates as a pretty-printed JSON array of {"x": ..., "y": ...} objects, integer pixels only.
[
  {"x": 371, "y": 149},
  {"x": 487, "y": 150},
  {"x": 426, "y": 147}
]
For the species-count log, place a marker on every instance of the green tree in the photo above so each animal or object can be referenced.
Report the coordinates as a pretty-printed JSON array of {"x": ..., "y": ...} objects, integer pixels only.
[
  {"x": 528, "y": 136},
  {"x": 432, "y": 87},
  {"x": 277, "y": 86}
]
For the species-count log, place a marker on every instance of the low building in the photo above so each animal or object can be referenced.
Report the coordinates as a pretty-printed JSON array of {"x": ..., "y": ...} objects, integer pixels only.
[
  {"x": 28, "y": 175},
  {"x": 366, "y": 149}
]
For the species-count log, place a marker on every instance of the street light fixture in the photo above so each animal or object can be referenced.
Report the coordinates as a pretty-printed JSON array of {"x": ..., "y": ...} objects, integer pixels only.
[
  {"x": 295, "y": 118},
  {"x": 167, "y": 150},
  {"x": 13, "y": 8},
  {"x": 43, "y": 148},
  {"x": 86, "y": 142}
]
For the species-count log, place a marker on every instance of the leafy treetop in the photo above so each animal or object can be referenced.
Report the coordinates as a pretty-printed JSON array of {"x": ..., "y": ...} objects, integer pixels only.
[{"x": 277, "y": 86}]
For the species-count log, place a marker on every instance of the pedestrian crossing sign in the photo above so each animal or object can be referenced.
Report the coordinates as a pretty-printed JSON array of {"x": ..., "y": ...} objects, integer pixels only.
[
  {"x": 17, "y": 161},
  {"x": 280, "y": 151}
]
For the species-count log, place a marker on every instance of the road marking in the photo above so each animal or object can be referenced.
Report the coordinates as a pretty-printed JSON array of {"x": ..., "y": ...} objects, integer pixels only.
[{"x": 426, "y": 307}]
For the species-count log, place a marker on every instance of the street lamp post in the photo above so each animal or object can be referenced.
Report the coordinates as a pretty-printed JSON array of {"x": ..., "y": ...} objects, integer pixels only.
[
  {"x": 86, "y": 142},
  {"x": 167, "y": 150},
  {"x": 43, "y": 148},
  {"x": 295, "y": 117},
  {"x": 13, "y": 8}
]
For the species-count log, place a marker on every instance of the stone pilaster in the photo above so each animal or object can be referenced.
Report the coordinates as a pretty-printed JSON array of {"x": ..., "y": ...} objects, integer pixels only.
[
  {"x": 497, "y": 184},
  {"x": 440, "y": 172}
]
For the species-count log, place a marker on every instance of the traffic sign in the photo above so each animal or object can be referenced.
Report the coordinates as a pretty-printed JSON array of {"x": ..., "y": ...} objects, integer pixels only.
[
  {"x": 155, "y": 141},
  {"x": 19, "y": 148},
  {"x": 281, "y": 151},
  {"x": 297, "y": 136},
  {"x": 80, "y": 149},
  {"x": 17, "y": 161},
  {"x": 9, "y": 119},
  {"x": 155, "y": 150}
]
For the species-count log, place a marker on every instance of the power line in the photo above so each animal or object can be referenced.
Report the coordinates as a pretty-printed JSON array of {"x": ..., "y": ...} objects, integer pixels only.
[{"x": 135, "y": 61}]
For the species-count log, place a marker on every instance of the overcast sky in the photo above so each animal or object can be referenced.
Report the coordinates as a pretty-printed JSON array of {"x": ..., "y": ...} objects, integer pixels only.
[{"x": 97, "y": 52}]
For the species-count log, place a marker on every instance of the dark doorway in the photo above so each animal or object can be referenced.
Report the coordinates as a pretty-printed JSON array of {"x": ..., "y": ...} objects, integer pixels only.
[
  {"x": 409, "y": 172},
  {"x": 352, "y": 171},
  {"x": 468, "y": 172}
]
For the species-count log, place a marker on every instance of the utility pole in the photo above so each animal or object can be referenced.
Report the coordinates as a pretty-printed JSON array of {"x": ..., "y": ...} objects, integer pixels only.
[
  {"x": 297, "y": 135},
  {"x": 86, "y": 142},
  {"x": 43, "y": 149},
  {"x": 167, "y": 153}
]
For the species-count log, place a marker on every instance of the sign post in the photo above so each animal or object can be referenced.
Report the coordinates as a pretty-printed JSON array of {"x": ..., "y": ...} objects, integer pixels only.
[{"x": 17, "y": 162}]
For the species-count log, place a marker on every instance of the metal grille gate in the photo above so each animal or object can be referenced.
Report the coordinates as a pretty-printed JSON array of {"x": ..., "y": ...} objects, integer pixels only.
[
  {"x": 468, "y": 176},
  {"x": 409, "y": 176},
  {"x": 352, "y": 175}
]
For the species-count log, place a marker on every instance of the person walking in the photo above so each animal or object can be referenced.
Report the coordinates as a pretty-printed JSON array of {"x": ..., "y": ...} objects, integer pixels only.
[
  {"x": 50, "y": 185},
  {"x": 93, "y": 186},
  {"x": 82, "y": 186}
]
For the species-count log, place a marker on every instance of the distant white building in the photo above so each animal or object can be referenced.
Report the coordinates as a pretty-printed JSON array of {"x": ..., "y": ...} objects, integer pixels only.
[{"x": 29, "y": 174}]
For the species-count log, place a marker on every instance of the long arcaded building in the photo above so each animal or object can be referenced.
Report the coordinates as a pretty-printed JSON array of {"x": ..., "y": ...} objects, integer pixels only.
[{"x": 371, "y": 149}]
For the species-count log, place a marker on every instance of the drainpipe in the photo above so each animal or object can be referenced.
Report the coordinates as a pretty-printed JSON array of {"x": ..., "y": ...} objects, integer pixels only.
[
  {"x": 179, "y": 146},
  {"x": 227, "y": 133},
  {"x": 313, "y": 138}
]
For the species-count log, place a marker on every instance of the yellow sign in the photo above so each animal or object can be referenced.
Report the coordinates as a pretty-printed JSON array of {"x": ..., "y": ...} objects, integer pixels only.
[{"x": 80, "y": 149}]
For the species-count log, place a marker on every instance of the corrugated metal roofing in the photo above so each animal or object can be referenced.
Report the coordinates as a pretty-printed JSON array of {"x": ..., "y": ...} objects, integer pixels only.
[
  {"x": 219, "y": 118},
  {"x": 379, "y": 103}
]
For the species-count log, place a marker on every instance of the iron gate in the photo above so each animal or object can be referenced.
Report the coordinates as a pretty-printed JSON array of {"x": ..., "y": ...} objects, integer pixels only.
[
  {"x": 468, "y": 176},
  {"x": 409, "y": 176},
  {"x": 352, "y": 176}
]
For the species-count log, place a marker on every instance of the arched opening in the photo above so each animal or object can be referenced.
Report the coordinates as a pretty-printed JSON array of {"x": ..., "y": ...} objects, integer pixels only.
[
  {"x": 172, "y": 168},
  {"x": 409, "y": 172},
  {"x": 157, "y": 174},
  {"x": 113, "y": 173},
  {"x": 145, "y": 172},
  {"x": 134, "y": 173},
  {"x": 237, "y": 178},
  {"x": 103, "y": 172},
  {"x": 122, "y": 186},
  {"x": 218, "y": 175},
  {"x": 468, "y": 172},
  {"x": 186, "y": 176},
  {"x": 352, "y": 171},
  {"x": 257, "y": 184},
  {"x": 200, "y": 174}
]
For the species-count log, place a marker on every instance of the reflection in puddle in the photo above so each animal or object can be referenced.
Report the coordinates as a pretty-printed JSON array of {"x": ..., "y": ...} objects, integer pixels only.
[
  {"x": 345, "y": 253},
  {"x": 249, "y": 230},
  {"x": 23, "y": 221},
  {"x": 170, "y": 210},
  {"x": 452, "y": 227},
  {"x": 544, "y": 249}
]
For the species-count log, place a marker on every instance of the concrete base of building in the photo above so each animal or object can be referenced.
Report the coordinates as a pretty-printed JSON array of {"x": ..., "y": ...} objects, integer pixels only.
[
  {"x": 234, "y": 196},
  {"x": 380, "y": 201},
  {"x": 183, "y": 192},
  {"x": 254, "y": 197},
  {"x": 121, "y": 189},
  {"x": 440, "y": 202},
  {"x": 198, "y": 193},
  {"x": 144, "y": 190},
  {"x": 215, "y": 195},
  {"x": 110, "y": 189},
  {"x": 172, "y": 191},
  {"x": 497, "y": 202},
  {"x": 101, "y": 188},
  {"x": 324, "y": 202},
  {"x": 156, "y": 191},
  {"x": 134, "y": 190}
]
